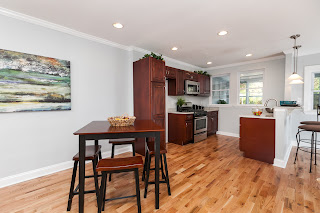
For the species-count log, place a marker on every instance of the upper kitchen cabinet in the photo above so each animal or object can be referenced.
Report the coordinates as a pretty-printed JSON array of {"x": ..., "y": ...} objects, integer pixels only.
[
  {"x": 176, "y": 86},
  {"x": 149, "y": 95},
  {"x": 190, "y": 76},
  {"x": 171, "y": 72},
  {"x": 157, "y": 70},
  {"x": 204, "y": 85}
]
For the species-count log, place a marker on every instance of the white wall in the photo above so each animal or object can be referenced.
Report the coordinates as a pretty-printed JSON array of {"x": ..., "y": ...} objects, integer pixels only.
[
  {"x": 273, "y": 88},
  {"x": 32, "y": 140}
]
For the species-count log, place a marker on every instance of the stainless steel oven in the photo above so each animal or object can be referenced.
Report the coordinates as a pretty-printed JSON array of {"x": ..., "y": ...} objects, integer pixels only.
[
  {"x": 200, "y": 128},
  {"x": 192, "y": 87}
]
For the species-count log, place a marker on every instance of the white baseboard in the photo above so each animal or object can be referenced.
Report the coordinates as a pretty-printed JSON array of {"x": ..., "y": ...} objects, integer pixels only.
[
  {"x": 228, "y": 134},
  {"x": 25, "y": 176},
  {"x": 283, "y": 163}
]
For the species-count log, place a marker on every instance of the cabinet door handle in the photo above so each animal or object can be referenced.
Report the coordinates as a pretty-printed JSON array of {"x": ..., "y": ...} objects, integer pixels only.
[{"x": 186, "y": 124}]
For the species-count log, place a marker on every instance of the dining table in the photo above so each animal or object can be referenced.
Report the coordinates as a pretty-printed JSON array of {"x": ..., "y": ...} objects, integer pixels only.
[{"x": 98, "y": 130}]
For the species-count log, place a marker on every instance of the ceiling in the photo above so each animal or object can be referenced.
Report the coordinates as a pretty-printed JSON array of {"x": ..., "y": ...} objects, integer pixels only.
[{"x": 260, "y": 27}]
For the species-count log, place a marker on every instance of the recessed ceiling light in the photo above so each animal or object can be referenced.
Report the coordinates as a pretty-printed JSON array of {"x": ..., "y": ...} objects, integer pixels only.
[
  {"x": 222, "y": 33},
  {"x": 249, "y": 54},
  {"x": 174, "y": 48},
  {"x": 118, "y": 25},
  {"x": 209, "y": 62}
]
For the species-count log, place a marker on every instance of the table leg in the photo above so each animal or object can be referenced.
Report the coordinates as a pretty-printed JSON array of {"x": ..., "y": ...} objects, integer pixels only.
[
  {"x": 82, "y": 153},
  {"x": 157, "y": 160}
]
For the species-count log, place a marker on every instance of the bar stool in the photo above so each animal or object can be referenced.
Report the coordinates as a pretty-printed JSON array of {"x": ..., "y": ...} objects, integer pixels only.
[
  {"x": 118, "y": 165},
  {"x": 314, "y": 129},
  {"x": 146, "y": 169},
  {"x": 117, "y": 142},
  {"x": 92, "y": 153},
  {"x": 313, "y": 122}
]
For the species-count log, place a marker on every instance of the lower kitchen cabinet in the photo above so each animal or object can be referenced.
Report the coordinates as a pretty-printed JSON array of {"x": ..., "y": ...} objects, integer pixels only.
[
  {"x": 257, "y": 138},
  {"x": 180, "y": 128},
  {"x": 212, "y": 122}
]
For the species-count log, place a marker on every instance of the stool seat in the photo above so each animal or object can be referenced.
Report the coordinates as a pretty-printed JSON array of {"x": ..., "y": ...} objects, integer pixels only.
[
  {"x": 150, "y": 147},
  {"x": 310, "y": 122},
  {"x": 91, "y": 153},
  {"x": 314, "y": 128},
  {"x": 122, "y": 142},
  {"x": 113, "y": 164}
]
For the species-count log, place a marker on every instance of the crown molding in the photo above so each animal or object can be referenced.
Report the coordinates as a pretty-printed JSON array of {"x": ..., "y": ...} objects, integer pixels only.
[
  {"x": 245, "y": 63},
  {"x": 138, "y": 49},
  {"x": 53, "y": 26},
  {"x": 60, "y": 28}
]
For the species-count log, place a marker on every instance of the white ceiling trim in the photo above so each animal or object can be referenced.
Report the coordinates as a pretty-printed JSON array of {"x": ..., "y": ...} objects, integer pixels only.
[
  {"x": 245, "y": 63},
  {"x": 50, "y": 25}
]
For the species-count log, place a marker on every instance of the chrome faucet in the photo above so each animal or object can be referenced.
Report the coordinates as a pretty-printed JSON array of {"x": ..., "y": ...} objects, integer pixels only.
[{"x": 270, "y": 110}]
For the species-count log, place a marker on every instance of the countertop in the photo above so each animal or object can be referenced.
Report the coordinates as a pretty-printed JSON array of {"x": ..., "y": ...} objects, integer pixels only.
[
  {"x": 263, "y": 116},
  {"x": 208, "y": 109},
  {"x": 186, "y": 113}
]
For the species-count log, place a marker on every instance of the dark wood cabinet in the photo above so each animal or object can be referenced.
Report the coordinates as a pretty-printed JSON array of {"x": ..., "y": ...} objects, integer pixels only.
[
  {"x": 190, "y": 76},
  {"x": 149, "y": 95},
  {"x": 212, "y": 122},
  {"x": 176, "y": 86},
  {"x": 257, "y": 139},
  {"x": 171, "y": 72},
  {"x": 157, "y": 70},
  {"x": 204, "y": 85},
  {"x": 180, "y": 128}
]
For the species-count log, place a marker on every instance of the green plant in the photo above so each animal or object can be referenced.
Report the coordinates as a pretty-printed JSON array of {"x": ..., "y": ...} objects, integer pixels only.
[
  {"x": 180, "y": 101},
  {"x": 222, "y": 102},
  {"x": 202, "y": 72},
  {"x": 153, "y": 55}
]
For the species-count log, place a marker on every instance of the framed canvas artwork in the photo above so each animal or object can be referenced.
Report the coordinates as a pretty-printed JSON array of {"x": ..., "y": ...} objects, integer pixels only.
[{"x": 33, "y": 83}]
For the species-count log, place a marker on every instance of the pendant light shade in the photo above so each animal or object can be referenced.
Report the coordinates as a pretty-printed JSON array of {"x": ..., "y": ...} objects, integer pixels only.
[
  {"x": 295, "y": 78},
  {"x": 297, "y": 81}
]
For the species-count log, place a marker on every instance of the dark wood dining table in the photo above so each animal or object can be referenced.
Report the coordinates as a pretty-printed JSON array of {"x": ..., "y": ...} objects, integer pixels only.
[{"x": 97, "y": 130}]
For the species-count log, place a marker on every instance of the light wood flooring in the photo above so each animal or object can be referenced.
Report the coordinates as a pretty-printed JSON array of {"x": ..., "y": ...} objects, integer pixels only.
[{"x": 209, "y": 176}]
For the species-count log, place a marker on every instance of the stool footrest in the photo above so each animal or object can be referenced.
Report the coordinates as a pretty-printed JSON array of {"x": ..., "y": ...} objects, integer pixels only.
[
  {"x": 160, "y": 181},
  {"x": 118, "y": 198},
  {"x": 86, "y": 192}
]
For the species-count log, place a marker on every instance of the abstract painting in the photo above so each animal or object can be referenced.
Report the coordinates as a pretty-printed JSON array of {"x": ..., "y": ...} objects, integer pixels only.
[{"x": 33, "y": 83}]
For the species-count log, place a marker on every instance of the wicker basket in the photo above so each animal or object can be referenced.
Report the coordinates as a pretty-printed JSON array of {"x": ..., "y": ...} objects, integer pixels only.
[{"x": 121, "y": 120}]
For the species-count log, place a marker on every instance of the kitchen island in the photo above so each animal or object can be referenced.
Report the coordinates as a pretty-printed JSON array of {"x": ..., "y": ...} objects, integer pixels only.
[{"x": 262, "y": 137}]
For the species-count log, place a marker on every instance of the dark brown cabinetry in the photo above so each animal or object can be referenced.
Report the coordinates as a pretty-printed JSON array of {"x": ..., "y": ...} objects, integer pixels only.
[
  {"x": 175, "y": 85},
  {"x": 204, "y": 85},
  {"x": 190, "y": 76},
  {"x": 149, "y": 94},
  {"x": 257, "y": 139},
  {"x": 180, "y": 128},
  {"x": 212, "y": 122},
  {"x": 171, "y": 73}
]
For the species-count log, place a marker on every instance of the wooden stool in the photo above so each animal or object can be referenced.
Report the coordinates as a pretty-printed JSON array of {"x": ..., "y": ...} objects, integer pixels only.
[
  {"x": 118, "y": 165},
  {"x": 122, "y": 142},
  {"x": 146, "y": 169},
  {"x": 92, "y": 153},
  {"x": 314, "y": 129}
]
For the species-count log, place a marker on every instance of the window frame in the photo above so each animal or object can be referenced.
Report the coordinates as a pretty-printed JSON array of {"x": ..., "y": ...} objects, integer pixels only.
[
  {"x": 309, "y": 72},
  {"x": 211, "y": 84},
  {"x": 238, "y": 86}
]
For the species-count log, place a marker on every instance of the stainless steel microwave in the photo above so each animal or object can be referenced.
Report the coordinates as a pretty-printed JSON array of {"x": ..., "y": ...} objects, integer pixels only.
[{"x": 192, "y": 87}]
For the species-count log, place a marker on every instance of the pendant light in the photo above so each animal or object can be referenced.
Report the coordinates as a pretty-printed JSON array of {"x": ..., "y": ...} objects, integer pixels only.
[{"x": 295, "y": 78}]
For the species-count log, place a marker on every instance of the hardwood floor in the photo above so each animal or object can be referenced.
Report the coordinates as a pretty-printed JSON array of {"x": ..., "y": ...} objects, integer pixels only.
[{"x": 209, "y": 176}]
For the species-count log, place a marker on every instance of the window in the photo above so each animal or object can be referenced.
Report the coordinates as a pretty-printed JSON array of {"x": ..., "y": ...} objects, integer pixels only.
[
  {"x": 315, "y": 90},
  {"x": 311, "y": 87},
  {"x": 220, "y": 89},
  {"x": 251, "y": 87}
]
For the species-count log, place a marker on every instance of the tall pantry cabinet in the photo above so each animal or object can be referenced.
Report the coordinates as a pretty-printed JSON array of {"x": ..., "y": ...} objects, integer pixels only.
[{"x": 149, "y": 95}]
